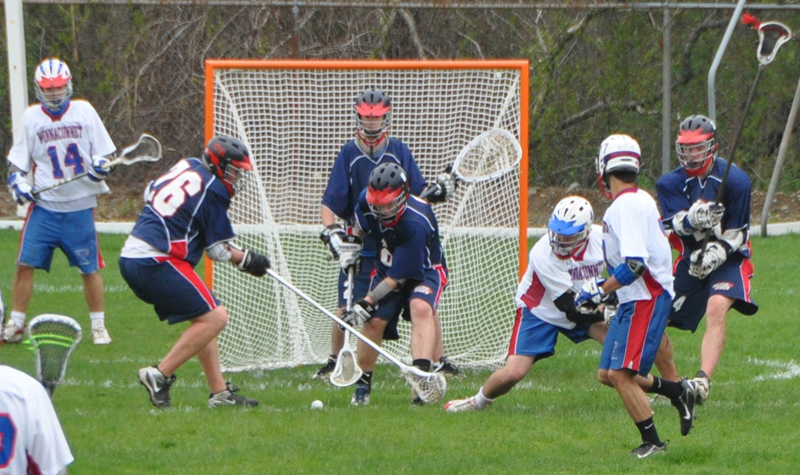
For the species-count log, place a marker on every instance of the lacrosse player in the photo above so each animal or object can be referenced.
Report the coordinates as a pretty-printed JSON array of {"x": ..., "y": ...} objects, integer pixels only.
[
  {"x": 409, "y": 277},
  {"x": 59, "y": 138},
  {"x": 31, "y": 438},
  {"x": 638, "y": 259},
  {"x": 185, "y": 214},
  {"x": 719, "y": 279},
  {"x": 371, "y": 147}
]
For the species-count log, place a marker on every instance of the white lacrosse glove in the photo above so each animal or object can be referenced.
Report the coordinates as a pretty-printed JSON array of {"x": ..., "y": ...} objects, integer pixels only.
[
  {"x": 350, "y": 254},
  {"x": 443, "y": 187},
  {"x": 20, "y": 189},
  {"x": 332, "y": 236},
  {"x": 100, "y": 168},
  {"x": 713, "y": 257},
  {"x": 609, "y": 312},
  {"x": 590, "y": 296},
  {"x": 360, "y": 313},
  {"x": 705, "y": 215}
]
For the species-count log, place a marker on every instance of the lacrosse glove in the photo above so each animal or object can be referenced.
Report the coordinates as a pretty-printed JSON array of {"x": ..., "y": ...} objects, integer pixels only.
[
  {"x": 254, "y": 263},
  {"x": 100, "y": 168},
  {"x": 20, "y": 189}
]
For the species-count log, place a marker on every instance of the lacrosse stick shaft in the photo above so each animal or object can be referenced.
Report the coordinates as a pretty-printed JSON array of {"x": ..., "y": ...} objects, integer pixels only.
[
  {"x": 110, "y": 165},
  {"x": 739, "y": 128},
  {"x": 336, "y": 319}
]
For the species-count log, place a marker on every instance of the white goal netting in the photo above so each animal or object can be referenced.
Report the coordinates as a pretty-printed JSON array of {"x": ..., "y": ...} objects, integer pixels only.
[{"x": 295, "y": 116}]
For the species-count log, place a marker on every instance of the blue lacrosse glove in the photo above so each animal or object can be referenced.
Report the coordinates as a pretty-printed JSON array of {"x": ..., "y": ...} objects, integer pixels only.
[
  {"x": 100, "y": 168},
  {"x": 590, "y": 296},
  {"x": 20, "y": 189}
]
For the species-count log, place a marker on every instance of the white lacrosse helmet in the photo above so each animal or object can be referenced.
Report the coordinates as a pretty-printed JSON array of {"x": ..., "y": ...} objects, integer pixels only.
[
  {"x": 53, "y": 83},
  {"x": 569, "y": 226},
  {"x": 618, "y": 153}
]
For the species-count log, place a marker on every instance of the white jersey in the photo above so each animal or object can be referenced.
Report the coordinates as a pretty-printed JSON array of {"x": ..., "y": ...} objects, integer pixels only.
[
  {"x": 632, "y": 228},
  {"x": 61, "y": 148},
  {"x": 29, "y": 429},
  {"x": 548, "y": 277}
]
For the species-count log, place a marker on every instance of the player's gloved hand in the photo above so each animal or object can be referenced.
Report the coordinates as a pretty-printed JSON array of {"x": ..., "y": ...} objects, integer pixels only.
[
  {"x": 254, "y": 263},
  {"x": 610, "y": 307},
  {"x": 705, "y": 215},
  {"x": 350, "y": 253},
  {"x": 332, "y": 236},
  {"x": 100, "y": 168},
  {"x": 360, "y": 313},
  {"x": 590, "y": 296},
  {"x": 20, "y": 189},
  {"x": 713, "y": 257},
  {"x": 443, "y": 187}
]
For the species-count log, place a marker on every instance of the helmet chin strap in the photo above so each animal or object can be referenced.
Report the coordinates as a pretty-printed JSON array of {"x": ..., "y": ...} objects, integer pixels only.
[{"x": 371, "y": 151}]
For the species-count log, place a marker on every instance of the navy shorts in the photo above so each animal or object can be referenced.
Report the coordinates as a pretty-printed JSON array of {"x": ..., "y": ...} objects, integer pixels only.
[
  {"x": 170, "y": 285},
  {"x": 731, "y": 279},
  {"x": 533, "y": 336},
  {"x": 73, "y": 232}
]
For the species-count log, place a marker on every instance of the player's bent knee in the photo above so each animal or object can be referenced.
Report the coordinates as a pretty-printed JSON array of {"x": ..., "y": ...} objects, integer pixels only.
[
  {"x": 602, "y": 376},
  {"x": 420, "y": 310}
]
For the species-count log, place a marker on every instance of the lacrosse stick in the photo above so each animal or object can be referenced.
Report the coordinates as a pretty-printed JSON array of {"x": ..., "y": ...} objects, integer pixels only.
[
  {"x": 346, "y": 371},
  {"x": 430, "y": 387},
  {"x": 772, "y": 35},
  {"x": 146, "y": 149},
  {"x": 53, "y": 337},
  {"x": 490, "y": 155}
]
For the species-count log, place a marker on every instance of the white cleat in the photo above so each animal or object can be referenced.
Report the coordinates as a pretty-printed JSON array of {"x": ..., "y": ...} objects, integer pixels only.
[
  {"x": 100, "y": 336},
  {"x": 12, "y": 333},
  {"x": 462, "y": 405},
  {"x": 702, "y": 387}
]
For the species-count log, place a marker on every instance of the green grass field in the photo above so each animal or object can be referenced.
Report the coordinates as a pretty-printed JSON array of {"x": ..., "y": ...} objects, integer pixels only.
[{"x": 559, "y": 420}]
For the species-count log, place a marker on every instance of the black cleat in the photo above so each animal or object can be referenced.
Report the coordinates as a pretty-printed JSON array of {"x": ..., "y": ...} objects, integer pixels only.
[
  {"x": 648, "y": 448},
  {"x": 685, "y": 404},
  {"x": 157, "y": 385}
]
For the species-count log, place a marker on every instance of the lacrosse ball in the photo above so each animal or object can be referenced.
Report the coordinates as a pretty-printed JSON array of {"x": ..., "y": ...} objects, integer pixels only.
[{"x": 317, "y": 404}]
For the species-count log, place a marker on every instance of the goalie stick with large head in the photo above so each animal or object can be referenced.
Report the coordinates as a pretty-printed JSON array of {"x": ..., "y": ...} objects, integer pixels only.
[
  {"x": 146, "y": 149},
  {"x": 430, "y": 387},
  {"x": 53, "y": 338},
  {"x": 772, "y": 35},
  {"x": 490, "y": 155},
  {"x": 346, "y": 372}
]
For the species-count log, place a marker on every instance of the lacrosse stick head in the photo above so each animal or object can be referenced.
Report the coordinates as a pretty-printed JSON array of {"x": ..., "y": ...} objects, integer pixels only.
[
  {"x": 488, "y": 156},
  {"x": 346, "y": 372},
  {"x": 430, "y": 387},
  {"x": 771, "y": 35},
  {"x": 53, "y": 338},
  {"x": 146, "y": 149}
]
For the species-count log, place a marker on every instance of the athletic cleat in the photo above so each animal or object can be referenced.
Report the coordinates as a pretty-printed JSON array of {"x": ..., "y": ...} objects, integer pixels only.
[
  {"x": 449, "y": 370},
  {"x": 324, "y": 373},
  {"x": 12, "y": 333},
  {"x": 648, "y": 448},
  {"x": 229, "y": 398},
  {"x": 702, "y": 387},
  {"x": 685, "y": 405},
  {"x": 100, "y": 336},
  {"x": 157, "y": 385},
  {"x": 462, "y": 405},
  {"x": 361, "y": 395}
]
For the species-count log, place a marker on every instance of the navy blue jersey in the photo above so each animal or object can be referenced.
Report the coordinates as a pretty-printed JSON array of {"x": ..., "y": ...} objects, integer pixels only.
[
  {"x": 677, "y": 191},
  {"x": 350, "y": 176},
  {"x": 186, "y": 211},
  {"x": 412, "y": 246}
]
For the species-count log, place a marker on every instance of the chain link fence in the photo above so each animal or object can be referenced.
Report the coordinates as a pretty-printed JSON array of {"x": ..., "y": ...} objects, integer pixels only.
[{"x": 593, "y": 72}]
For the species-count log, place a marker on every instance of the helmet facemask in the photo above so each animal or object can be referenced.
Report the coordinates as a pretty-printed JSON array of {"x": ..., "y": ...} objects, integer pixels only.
[
  {"x": 373, "y": 117},
  {"x": 238, "y": 178},
  {"x": 388, "y": 204},
  {"x": 53, "y": 85},
  {"x": 695, "y": 152},
  {"x": 569, "y": 226}
]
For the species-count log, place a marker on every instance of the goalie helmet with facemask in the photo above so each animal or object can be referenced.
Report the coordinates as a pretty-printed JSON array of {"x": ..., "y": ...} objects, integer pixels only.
[
  {"x": 53, "y": 84},
  {"x": 618, "y": 153},
  {"x": 373, "y": 116},
  {"x": 229, "y": 160},
  {"x": 569, "y": 226},
  {"x": 696, "y": 144},
  {"x": 387, "y": 194}
]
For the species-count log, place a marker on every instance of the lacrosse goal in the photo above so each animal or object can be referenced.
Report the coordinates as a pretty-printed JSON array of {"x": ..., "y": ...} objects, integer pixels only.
[{"x": 295, "y": 116}]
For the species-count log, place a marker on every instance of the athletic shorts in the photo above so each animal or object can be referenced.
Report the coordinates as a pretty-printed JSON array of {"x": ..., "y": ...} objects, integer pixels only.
[
  {"x": 731, "y": 279},
  {"x": 170, "y": 285},
  {"x": 429, "y": 289},
  {"x": 635, "y": 335},
  {"x": 73, "y": 232},
  {"x": 533, "y": 336},
  {"x": 360, "y": 281}
]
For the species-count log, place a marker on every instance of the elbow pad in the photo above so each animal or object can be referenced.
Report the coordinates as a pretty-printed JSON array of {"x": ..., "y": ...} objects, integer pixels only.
[
  {"x": 732, "y": 239},
  {"x": 219, "y": 252},
  {"x": 627, "y": 272}
]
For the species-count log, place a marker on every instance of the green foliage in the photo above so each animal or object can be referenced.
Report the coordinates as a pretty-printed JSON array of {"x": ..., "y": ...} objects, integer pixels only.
[{"x": 557, "y": 420}]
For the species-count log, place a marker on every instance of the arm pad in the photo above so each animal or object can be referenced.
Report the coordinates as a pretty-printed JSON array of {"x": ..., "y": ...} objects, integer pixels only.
[
  {"x": 566, "y": 303},
  {"x": 381, "y": 291},
  {"x": 632, "y": 269},
  {"x": 732, "y": 239},
  {"x": 219, "y": 252}
]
